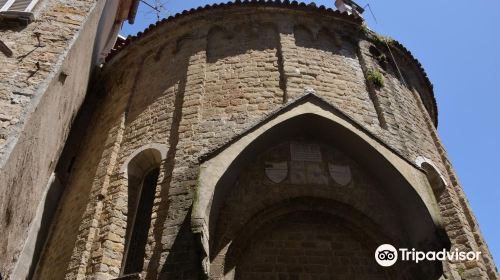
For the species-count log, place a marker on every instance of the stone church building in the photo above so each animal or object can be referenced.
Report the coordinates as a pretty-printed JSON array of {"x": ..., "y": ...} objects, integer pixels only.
[{"x": 248, "y": 140}]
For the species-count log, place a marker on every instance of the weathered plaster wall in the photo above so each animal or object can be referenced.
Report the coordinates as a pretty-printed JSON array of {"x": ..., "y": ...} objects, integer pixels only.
[
  {"x": 37, "y": 108},
  {"x": 200, "y": 80}
]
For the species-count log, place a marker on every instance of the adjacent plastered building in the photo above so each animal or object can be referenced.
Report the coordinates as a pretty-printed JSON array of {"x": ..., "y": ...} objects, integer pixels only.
[{"x": 48, "y": 52}]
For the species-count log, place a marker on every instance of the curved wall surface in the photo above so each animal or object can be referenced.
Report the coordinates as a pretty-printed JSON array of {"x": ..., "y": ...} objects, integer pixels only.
[{"x": 194, "y": 84}]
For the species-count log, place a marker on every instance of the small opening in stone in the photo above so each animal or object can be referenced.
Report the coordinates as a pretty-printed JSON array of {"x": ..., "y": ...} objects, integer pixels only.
[{"x": 62, "y": 77}]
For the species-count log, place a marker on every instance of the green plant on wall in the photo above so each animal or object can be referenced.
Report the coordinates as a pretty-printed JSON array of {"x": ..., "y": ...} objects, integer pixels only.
[
  {"x": 461, "y": 272},
  {"x": 376, "y": 78},
  {"x": 382, "y": 40}
]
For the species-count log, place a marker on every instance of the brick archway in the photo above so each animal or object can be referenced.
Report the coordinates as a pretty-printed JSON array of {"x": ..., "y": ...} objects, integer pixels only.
[{"x": 299, "y": 235}]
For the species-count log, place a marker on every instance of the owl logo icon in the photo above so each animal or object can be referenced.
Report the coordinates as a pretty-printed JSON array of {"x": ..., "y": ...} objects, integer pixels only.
[{"x": 386, "y": 255}]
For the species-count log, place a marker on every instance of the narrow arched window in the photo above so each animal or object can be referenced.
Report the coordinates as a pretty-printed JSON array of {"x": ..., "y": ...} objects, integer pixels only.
[
  {"x": 142, "y": 176},
  {"x": 140, "y": 224}
]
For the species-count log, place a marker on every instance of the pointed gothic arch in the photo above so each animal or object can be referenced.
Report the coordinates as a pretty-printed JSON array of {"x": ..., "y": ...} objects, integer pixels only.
[{"x": 403, "y": 183}]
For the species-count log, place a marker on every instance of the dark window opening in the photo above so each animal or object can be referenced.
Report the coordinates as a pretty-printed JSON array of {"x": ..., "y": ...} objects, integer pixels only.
[{"x": 140, "y": 222}]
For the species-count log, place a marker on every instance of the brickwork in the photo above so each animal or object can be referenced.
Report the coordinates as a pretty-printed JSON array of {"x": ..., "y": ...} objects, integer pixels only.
[
  {"x": 242, "y": 79},
  {"x": 196, "y": 82},
  {"x": 308, "y": 246},
  {"x": 303, "y": 180},
  {"x": 309, "y": 58}
]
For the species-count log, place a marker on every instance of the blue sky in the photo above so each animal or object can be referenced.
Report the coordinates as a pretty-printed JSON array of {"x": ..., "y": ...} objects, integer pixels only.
[{"x": 459, "y": 46}]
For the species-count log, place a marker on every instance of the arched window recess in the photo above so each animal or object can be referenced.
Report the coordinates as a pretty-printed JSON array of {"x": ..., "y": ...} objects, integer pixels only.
[{"x": 142, "y": 170}]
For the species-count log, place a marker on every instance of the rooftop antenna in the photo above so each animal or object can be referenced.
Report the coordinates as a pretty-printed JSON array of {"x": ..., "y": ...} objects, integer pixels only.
[
  {"x": 349, "y": 6},
  {"x": 371, "y": 11},
  {"x": 157, "y": 7}
]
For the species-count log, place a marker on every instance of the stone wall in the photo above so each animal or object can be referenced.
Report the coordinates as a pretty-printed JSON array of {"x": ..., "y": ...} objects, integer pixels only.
[
  {"x": 199, "y": 80},
  {"x": 260, "y": 234},
  {"x": 308, "y": 246}
]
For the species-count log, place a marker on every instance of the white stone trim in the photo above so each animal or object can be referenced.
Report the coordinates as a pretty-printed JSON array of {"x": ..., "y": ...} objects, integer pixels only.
[
  {"x": 421, "y": 160},
  {"x": 161, "y": 148}
]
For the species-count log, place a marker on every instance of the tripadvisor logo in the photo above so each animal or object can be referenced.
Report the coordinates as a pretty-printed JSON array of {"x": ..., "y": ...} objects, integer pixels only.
[{"x": 387, "y": 255}]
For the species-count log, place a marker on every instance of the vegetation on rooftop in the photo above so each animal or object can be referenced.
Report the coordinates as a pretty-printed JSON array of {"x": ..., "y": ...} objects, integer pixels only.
[{"x": 382, "y": 40}]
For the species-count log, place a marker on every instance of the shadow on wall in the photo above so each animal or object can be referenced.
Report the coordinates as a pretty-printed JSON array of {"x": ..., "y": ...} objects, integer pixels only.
[
  {"x": 58, "y": 226},
  {"x": 222, "y": 43},
  {"x": 49, "y": 206},
  {"x": 162, "y": 82},
  {"x": 174, "y": 60},
  {"x": 145, "y": 92},
  {"x": 168, "y": 168},
  {"x": 181, "y": 253},
  {"x": 162, "y": 77},
  {"x": 325, "y": 40}
]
